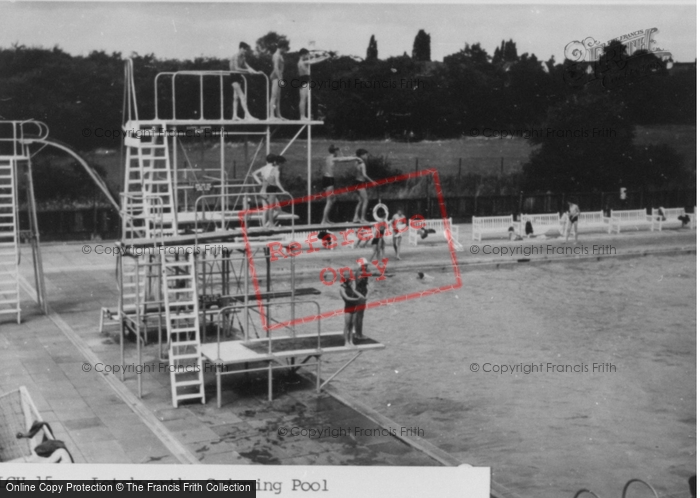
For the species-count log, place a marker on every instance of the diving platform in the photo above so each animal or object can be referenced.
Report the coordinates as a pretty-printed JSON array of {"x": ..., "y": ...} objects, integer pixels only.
[
  {"x": 235, "y": 236},
  {"x": 203, "y": 123},
  {"x": 275, "y": 352},
  {"x": 175, "y": 201}
]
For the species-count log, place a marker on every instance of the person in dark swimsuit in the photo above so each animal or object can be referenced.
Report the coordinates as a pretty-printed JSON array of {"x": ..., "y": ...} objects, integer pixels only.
[
  {"x": 379, "y": 243},
  {"x": 350, "y": 299},
  {"x": 328, "y": 182},
  {"x": 304, "y": 69},
  {"x": 361, "y": 290}
]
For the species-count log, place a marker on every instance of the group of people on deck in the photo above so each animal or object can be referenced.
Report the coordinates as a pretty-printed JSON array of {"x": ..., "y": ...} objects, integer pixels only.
[
  {"x": 239, "y": 66},
  {"x": 269, "y": 178}
]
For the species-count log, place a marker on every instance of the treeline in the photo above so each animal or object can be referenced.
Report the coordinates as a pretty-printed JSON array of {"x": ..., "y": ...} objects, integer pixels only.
[
  {"x": 403, "y": 98},
  {"x": 399, "y": 97}
]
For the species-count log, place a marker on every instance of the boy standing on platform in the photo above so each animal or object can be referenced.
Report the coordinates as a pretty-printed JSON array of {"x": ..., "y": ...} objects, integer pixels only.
[
  {"x": 276, "y": 77},
  {"x": 238, "y": 64},
  {"x": 350, "y": 298},
  {"x": 329, "y": 179},
  {"x": 361, "y": 177},
  {"x": 304, "y": 68},
  {"x": 361, "y": 290}
]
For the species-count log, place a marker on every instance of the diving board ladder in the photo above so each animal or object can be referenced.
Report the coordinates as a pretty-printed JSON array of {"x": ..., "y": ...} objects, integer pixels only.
[
  {"x": 9, "y": 240},
  {"x": 147, "y": 204},
  {"x": 182, "y": 317}
]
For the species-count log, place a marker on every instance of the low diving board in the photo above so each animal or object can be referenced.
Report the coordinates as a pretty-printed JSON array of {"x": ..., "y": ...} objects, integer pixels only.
[
  {"x": 283, "y": 348},
  {"x": 302, "y": 291}
]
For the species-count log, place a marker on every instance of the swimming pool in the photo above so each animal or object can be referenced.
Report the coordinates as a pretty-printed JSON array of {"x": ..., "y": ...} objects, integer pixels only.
[{"x": 548, "y": 432}]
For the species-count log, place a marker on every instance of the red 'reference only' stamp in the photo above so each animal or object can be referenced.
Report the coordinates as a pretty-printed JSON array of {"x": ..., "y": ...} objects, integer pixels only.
[{"x": 328, "y": 240}]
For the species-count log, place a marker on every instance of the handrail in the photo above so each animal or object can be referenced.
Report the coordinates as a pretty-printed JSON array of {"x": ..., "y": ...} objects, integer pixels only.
[
  {"x": 202, "y": 74},
  {"x": 291, "y": 302},
  {"x": 130, "y": 95},
  {"x": 43, "y": 129},
  {"x": 246, "y": 195},
  {"x": 20, "y": 135},
  {"x": 128, "y": 210}
]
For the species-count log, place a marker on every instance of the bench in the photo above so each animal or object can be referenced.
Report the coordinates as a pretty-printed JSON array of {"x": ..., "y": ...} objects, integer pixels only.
[
  {"x": 439, "y": 227},
  {"x": 670, "y": 215},
  {"x": 497, "y": 225},
  {"x": 633, "y": 217},
  {"x": 542, "y": 223},
  {"x": 592, "y": 219},
  {"x": 24, "y": 436}
]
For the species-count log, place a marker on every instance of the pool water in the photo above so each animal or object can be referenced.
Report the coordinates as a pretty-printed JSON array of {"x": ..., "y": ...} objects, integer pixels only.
[{"x": 553, "y": 430}]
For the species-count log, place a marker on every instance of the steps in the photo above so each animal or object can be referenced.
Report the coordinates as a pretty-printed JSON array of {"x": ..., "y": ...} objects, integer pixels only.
[
  {"x": 9, "y": 240},
  {"x": 182, "y": 319},
  {"x": 147, "y": 203}
]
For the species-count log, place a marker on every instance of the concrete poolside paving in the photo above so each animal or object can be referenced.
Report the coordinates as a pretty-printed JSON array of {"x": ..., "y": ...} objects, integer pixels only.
[
  {"x": 98, "y": 425},
  {"x": 102, "y": 428},
  {"x": 95, "y": 424}
]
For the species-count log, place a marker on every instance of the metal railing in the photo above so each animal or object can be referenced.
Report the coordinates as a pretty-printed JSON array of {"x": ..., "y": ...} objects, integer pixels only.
[
  {"x": 150, "y": 206},
  {"x": 201, "y": 75},
  {"x": 226, "y": 210},
  {"x": 20, "y": 131},
  {"x": 292, "y": 303}
]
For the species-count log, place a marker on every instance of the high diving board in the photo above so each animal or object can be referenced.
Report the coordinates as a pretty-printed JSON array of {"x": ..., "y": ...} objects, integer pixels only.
[
  {"x": 215, "y": 216},
  {"x": 219, "y": 122},
  {"x": 283, "y": 348}
]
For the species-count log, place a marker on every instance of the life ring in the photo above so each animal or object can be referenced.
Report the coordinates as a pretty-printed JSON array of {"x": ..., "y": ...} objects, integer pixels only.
[{"x": 377, "y": 207}]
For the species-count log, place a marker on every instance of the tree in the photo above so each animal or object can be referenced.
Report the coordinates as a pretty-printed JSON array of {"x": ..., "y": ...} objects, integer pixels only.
[
  {"x": 586, "y": 145},
  {"x": 421, "y": 47},
  {"x": 269, "y": 43},
  {"x": 507, "y": 52},
  {"x": 372, "y": 52}
]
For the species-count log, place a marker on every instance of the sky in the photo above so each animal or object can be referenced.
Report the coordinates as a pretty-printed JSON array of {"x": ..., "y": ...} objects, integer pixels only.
[{"x": 187, "y": 30}]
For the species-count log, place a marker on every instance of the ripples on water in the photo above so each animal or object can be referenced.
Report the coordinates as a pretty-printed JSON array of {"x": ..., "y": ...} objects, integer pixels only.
[{"x": 544, "y": 434}]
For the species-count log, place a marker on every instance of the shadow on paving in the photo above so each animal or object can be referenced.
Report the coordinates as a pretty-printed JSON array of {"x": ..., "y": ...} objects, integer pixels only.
[{"x": 299, "y": 427}]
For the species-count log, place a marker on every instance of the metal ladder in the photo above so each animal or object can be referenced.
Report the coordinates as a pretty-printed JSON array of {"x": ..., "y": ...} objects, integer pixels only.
[
  {"x": 182, "y": 318},
  {"x": 147, "y": 206},
  {"x": 9, "y": 240}
]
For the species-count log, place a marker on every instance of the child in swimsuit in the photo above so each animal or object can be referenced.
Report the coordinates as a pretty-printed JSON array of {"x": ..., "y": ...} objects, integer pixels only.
[
  {"x": 269, "y": 177},
  {"x": 398, "y": 224},
  {"x": 378, "y": 243},
  {"x": 573, "y": 214}
]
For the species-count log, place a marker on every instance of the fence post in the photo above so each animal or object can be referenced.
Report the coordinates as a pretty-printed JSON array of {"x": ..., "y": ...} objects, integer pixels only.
[
  {"x": 416, "y": 165},
  {"x": 459, "y": 173}
]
